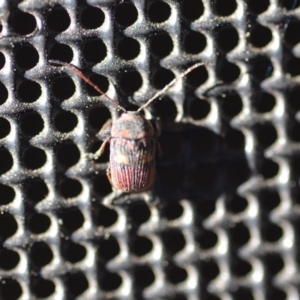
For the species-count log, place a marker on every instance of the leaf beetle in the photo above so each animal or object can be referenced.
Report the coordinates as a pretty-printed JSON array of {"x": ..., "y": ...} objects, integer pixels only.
[{"x": 133, "y": 141}]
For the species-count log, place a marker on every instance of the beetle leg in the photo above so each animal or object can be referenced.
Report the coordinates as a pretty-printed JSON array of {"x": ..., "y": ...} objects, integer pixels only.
[
  {"x": 98, "y": 153},
  {"x": 105, "y": 131},
  {"x": 103, "y": 135},
  {"x": 110, "y": 199}
]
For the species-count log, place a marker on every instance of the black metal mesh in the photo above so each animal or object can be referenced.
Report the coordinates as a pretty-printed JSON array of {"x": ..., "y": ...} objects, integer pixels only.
[{"x": 224, "y": 223}]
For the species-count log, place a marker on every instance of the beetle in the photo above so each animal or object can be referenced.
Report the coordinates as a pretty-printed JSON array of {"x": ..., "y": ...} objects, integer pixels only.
[{"x": 133, "y": 141}]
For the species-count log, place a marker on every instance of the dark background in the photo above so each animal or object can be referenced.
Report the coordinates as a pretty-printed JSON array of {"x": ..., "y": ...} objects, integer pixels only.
[{"x": 223, "y": 222}]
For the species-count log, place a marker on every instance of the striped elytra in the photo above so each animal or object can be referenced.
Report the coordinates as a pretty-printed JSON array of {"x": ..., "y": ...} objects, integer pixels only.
[{"x": 132, "y": 153}]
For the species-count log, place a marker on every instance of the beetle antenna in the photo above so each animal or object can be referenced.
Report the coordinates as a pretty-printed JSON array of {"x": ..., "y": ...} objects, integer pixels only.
[
  {"x": 190, "y": 69},
  {"x": 88, "y": 81}
]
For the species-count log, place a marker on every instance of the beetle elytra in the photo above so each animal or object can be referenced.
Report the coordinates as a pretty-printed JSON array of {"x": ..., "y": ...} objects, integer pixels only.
[{"x": 133, "y": 141}]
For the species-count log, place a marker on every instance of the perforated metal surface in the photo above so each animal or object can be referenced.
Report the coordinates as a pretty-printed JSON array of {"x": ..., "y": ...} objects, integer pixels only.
[{"x": 224, "y": 223}]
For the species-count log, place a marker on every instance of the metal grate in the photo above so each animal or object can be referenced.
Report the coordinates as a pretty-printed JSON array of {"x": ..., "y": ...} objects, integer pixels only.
[{"x": 224, "y": 222}]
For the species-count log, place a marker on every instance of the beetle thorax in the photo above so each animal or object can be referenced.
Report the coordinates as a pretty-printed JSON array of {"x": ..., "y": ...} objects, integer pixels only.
[{"x": 132, "y": 125}]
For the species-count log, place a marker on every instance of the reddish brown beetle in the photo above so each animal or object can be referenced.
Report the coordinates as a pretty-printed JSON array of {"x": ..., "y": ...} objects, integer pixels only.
[{"x": 133, "y": 141}]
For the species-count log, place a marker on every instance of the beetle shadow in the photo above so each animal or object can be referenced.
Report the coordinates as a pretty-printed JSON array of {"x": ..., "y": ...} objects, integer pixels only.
[{"x": 198, "y": 163}]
